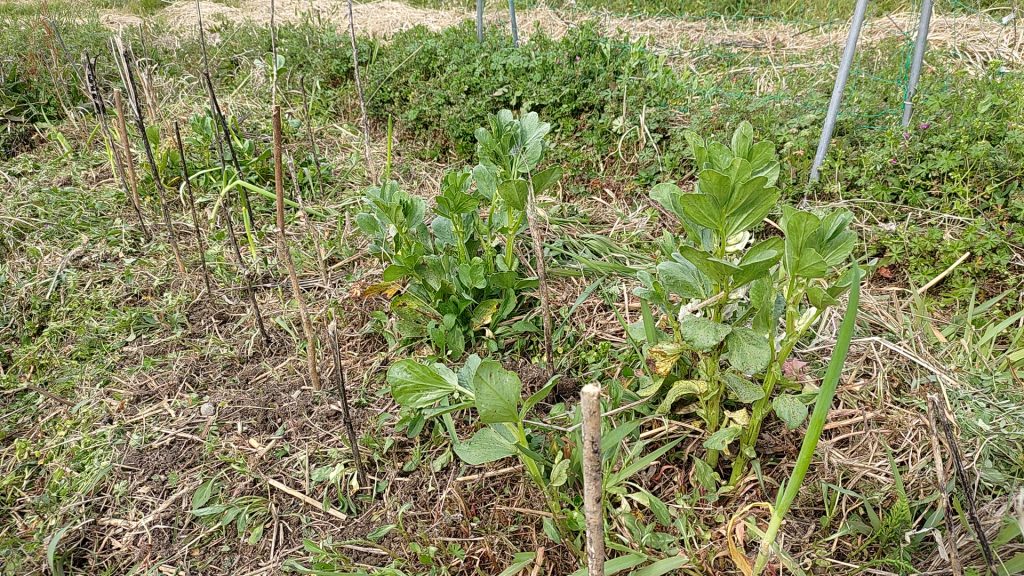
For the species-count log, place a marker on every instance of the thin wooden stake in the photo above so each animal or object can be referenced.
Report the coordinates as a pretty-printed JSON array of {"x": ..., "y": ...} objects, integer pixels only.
[
  {"x": 933, "y": 405},
  {"x": 129, "y": 161},
  {"x": 590, "y": 404},
  {"x": 192, "y": 207},
  {"x": 284, "y": 255},
  {"x": 359, "y": 90},
  {"x": 339, "y": 376},
  {"x": 140, "y": 122}
]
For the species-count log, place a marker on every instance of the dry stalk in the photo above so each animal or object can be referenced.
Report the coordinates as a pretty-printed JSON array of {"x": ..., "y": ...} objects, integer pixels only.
[
  {"x": 339, "y": 375},
  {"x": 129, "y": 162},
  {"x": 225, "y": 207},
  {"x": 321, "y": 257},
  {"x": 140, "y": 121},
  {"x": 933, "y": 405},
  {"x": 359, "y": 90},
  {"x": 590, "y": 405},
  {"x": 192, "y": 207},
  {"x": 542, "y": 277},
  {"x": 92, "y": 86},
  {"x": 972, "y": 509},
  {"x": 226, "y": 141},
  {"x": 284, "y": 255}
]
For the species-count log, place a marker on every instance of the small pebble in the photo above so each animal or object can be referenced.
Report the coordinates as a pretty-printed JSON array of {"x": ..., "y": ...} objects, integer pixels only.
[{"x": 207, "y": 410}]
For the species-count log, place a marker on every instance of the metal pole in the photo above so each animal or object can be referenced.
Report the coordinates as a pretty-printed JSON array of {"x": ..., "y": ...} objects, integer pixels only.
[
  {"x": 840, "y": 85},
  {"x": 479, "y": 20},
  {"x": 515, "y": 26},
  {"x": 915, "y": 67}
]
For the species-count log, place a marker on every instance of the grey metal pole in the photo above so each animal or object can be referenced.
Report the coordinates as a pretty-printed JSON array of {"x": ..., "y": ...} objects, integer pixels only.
[
  {"x": 915, "y": 66},
  {"x": 479, "y": 20},
  {"x": 515, "y": 26},
  {"x": 840, "y": 85}
]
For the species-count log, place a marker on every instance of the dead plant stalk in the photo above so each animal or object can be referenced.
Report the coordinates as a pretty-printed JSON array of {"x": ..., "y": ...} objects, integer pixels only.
[
  {"x": 140, "y": 121},
  {"x": 129, "y": 161},
  {"x": 339, "y": 375},
  {"x": 285, "y": 256},
  {"x": 359, "y": 91},
  {"x": 192, "y": 207}
]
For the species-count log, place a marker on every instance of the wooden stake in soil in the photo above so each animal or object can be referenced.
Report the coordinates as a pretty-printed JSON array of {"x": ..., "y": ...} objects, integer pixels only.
[
  {"x": 192, "y": 207},
  {"x": 590, "y": 404},
  {"x": 359, "y": 90},
  {"x": 284, "y": 255},
  {"x": 339, "y": 375},
  {"x": 940, "y": 476},
  {"x": 140, "y": 122},
  {"x": 129, "y": 162}
]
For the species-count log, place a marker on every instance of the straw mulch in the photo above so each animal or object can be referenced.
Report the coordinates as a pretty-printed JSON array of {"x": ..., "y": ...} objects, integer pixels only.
[{"x": 978, "y": 39}]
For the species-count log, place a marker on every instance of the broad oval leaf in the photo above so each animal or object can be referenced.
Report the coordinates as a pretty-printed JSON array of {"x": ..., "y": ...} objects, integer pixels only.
[
  {"x": 747, "y": 351},
  {"x": 487, "y": 445},
  {"x": 418, "y": 386},
  {"x": 702, "y": 333},
  {"x": 721, "y": 439},
  {"x": 790, "y": 410},
  {"x": 513, "y": 193},
  {"x": 546, "y": 179},
  {"x": 683, "y": 279},
  {"x": 743, "y": 389},
  {"x": 497, "y": 393}
]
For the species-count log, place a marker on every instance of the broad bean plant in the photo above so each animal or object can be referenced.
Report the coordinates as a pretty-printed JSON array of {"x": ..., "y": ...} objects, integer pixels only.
[
  {"x": 456, "y": 265},
  {"x": 731, "y": 307}
]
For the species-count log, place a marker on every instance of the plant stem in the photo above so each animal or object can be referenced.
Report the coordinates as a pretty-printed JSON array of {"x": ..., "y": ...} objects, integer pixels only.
[
  {"x": 285, "y": 255},
  {"x": 158, "y": 183},
  {"x": 816, "y": 424},
  {"x": 339, "y": 375},
  {"x": 192, "y": 207},
  {"x": 129, "y": 162}
]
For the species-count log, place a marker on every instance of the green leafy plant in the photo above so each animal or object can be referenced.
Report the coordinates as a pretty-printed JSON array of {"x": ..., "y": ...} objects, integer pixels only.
[
  {"x": 458, "y": 267},
  {"x": 249, "y": 514},
  {"x": 734, "y": 306},
  {"x": 495, "y": 395}
]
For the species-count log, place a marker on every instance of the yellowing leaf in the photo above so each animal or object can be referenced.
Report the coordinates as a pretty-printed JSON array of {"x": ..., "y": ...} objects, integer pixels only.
[
  {"x": 386, "y": 289},
  {"x": 665, "y": 356}
]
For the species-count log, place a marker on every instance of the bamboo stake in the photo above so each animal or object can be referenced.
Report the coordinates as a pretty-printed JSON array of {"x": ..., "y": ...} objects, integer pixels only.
[
  {"x": 140, "y": 121},
  {"x": 192, "y": 207},
  {"x": 590, "y": 405},
  {"x": 129, "y": 162},
  {"x": 339, "y": 376},
  {"x": 284, "y": 255},
  {"x": 359, "y": 90}
]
